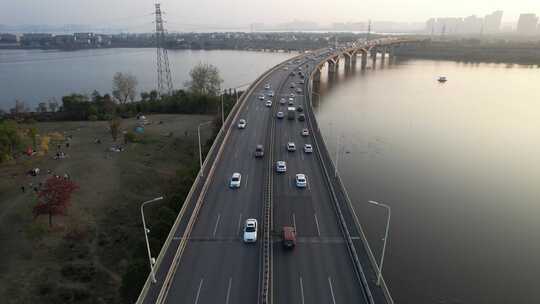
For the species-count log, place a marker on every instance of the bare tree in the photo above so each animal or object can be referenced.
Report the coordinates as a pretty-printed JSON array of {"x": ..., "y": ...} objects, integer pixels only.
[
  {"x": 124, "y": 87},
  {"x": 205, "y": 79}
]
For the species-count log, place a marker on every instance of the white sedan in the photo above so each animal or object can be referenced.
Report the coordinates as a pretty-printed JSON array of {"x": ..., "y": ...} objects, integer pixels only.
[
  {"x": 308, "y": 148},
  {"x": 291, "y": 147},
  {"x": 282, "y": 101},
  {"x": 236, "y": 179},
  {"x": 305, "y": 132},
  {"x": 250, "y": 231},
  {"x": 301, "y": 180},
  {"x": 281, "y": 166},
  {"x": 261, "y": 97},
  {"x": 268, "y": 103},
  {"x": 242, "y": 123}
]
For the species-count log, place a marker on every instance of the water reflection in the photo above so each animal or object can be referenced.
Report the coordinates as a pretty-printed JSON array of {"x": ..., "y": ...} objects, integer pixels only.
[{"x": 458, "y": 162}]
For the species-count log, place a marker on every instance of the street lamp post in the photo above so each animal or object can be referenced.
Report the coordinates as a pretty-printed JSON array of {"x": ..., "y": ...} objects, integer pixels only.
[
  {"x": 146, "y": 231},
  {"x": 385, "y": 237},
  {"x": 222, "y": 111},
  {"x": 200, "y": 150}
]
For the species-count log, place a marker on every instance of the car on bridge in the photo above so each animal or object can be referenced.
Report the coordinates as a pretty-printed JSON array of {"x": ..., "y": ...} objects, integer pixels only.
[
  {"x": 267, "y": 86},
  {"x": 301, "y": 180},
  {"x": 250, "y": 231},
  {"x": 280, "y": 115},
  {"x": 298, "y": 90},
  {"x": 259, "y": 151},
  {"x": 292, "y": 95},
  {"x": 282, "y": 101},
  {"x": 268, "y": 103},
  {"x": 301, "y": 117},
  {"x": 271, "y": 93},
  {"x": 291, "y": 147},
  {"x": 308, "y": 148},
  {"x": 242, "y": 123},
  {"x": 292, "y": 85},
  {"x": 261, "y": 97},
  {"x": 299, "y": 109},
  {"x": 236, "y": 179},
  {"x": 288, "y": 236},
  {"x": 305, "y": 132},
  {"x": 281, "y": 166}
]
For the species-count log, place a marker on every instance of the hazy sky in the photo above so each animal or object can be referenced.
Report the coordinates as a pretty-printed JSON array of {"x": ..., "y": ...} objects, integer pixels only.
[{"x": 135, "y": 13}]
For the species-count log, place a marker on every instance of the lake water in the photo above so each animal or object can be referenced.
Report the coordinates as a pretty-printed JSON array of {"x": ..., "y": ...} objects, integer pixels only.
[
  {"x": 459, "y": 164},
  {"x": 37, "y": 75}
]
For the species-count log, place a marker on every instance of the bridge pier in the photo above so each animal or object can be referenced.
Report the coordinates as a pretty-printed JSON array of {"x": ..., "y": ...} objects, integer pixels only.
[
  {"x": 374, "y": 57},
  {"x": 363, "y": 61}
]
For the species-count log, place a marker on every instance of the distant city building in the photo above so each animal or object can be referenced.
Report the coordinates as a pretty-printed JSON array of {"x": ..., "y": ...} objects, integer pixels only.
[
  {"x": 492, "y": 22},
  {"x": 8, "y": 38},
  {"x": 527, "y": 24},
  {"x": 472, "y": 25}
]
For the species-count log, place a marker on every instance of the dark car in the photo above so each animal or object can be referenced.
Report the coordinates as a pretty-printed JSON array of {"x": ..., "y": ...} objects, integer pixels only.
[
  {"x": 299, "y": 109},
  {"x": 301, "y": 117},
  {"x": 259, "y": 151}
]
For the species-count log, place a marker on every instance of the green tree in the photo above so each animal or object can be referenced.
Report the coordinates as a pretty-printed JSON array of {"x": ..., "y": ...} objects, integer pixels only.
[
  {"x": 9, "y": 139},
  {"x": 205, "y": 80},
  {"x": 33, "y": 133}
]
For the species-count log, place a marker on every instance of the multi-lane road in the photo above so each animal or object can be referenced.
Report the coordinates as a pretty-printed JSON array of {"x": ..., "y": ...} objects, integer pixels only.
[{"x": 215, "y": 265}]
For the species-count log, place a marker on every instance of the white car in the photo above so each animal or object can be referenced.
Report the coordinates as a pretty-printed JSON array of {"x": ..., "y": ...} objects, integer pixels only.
[
  {"x": 281, "y": 166},
  {"x": 308, "y": 148},
  {"x": 301, "y": 180},
  {"x": 268, "y": 103},
  {"x": 236, "y": 179},
  {"x": 242, "y": 124},
  {"x": 250, "y": 231},
  {"x": 261, "y": 97},
  {"x": 292, "y": 95},
  {"x": 282, "y": 101},
  {"x": 286, "y": 68},
  {"x": 305, "y": 132},
  {"x": 298, "y": 90},
  {"x": 267, "y": 86},
  {"x": 291, "y": 147},
  {"x": 292, "y": 85},
  {"x": 280, "y": 115}
]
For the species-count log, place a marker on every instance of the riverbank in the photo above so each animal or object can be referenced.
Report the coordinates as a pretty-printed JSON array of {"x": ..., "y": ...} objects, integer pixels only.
[{"x": 473, "y": 50}]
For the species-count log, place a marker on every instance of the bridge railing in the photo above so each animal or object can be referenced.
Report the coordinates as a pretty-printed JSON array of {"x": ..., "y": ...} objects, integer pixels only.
[{"x": 347, "y": 214}]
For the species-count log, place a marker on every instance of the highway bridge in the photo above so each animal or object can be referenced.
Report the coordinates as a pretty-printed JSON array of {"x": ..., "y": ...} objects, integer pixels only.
[{"x": 204, "y": 259}]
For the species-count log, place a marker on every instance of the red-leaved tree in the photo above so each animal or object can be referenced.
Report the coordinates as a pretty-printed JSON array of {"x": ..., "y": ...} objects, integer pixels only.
[{"x": 54, "y": 197}]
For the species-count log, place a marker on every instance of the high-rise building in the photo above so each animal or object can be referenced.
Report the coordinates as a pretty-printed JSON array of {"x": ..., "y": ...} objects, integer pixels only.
[
  {"x": 527, "y": 24},
  {"x": 472, "y": 25},
  {"x": 492, "y": 22}
]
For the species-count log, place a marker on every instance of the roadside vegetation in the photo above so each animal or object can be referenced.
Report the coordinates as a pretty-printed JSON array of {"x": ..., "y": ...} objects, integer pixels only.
[{"x": 71, "y": 189}]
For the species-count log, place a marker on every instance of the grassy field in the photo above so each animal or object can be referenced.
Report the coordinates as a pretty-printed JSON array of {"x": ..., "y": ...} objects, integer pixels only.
[{"x": 83, "y": 257}]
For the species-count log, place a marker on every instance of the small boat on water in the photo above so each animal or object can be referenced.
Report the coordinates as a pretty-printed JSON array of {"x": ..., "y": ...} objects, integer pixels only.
[{"x": 442, "y": 79}]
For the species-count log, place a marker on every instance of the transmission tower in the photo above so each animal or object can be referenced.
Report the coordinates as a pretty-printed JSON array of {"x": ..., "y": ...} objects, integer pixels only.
[{"x": 163, "y": 68}]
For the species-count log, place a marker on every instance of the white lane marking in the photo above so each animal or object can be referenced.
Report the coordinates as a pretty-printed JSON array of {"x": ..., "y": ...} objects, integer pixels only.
[
  {"x": 239, "y": 222},
  {"x": 199, "y": 291},
  {"x": 294, "y": 223},
  {"x": 247, "y": 179},
  {"x": 302, "y": 155},
  {"x": 290, "y": 182},
  {"x": 308, "y": 184},
  {"x": 228, "y": 291},
  {"x": 331, "y": 290},
  {"x": 302, "y": 290},
  {"x": 317, "y": 224},
  {"x": 217, "y": 223}
]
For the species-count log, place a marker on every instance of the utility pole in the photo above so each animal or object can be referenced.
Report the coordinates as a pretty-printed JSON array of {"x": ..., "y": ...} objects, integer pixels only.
[
  {"x": 368, "y": 30},
  {"x": 164, "y": 79}
]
